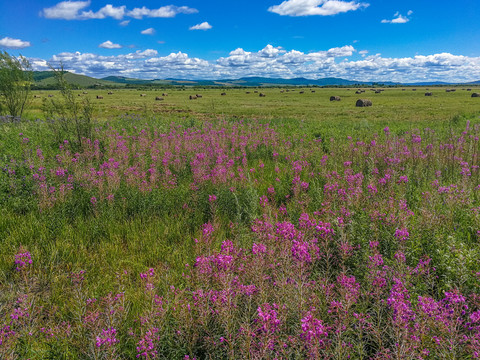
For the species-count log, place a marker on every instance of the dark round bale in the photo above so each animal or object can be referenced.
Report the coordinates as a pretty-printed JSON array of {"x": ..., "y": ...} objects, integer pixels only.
[
  {"x": 334, "y": 98},
  {"x": 358, "y": 92},
  {"x": 469, "y": 89},
  {"x": 261, "y": 95},
  {"x": 223, "y": 94},
  {"x": 314, "y": 90},
  {"x": 301, "y": 92},
  {"x": 50, "y": 95},
  {"x": 378, "y": 91},
  {"x": 475, "y": 95},
  {"x": 363, "y": 103},
  {"x": 158, "y": 98},
  {"x": 99, "y": 97},
  {"x": 110, "y": 93},
  {"x": 198, "y": 96},
  {"x": 247, "y": 92},
  {"x": 428, "y": 94}
]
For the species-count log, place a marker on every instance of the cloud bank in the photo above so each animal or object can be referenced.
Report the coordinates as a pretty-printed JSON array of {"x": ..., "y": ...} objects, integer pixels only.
[
  {"x": 344, "y": 62},
  {"x": 76, "y": 10}
]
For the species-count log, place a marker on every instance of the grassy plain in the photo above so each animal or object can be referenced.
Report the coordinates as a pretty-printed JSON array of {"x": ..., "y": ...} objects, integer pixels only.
[
  {"x": 393, "y": 107},
  {"x": 165, "y": 183}
]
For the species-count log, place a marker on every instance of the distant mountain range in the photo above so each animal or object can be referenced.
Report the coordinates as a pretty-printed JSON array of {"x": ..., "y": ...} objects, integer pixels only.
[{"x": 47, "y": 79}]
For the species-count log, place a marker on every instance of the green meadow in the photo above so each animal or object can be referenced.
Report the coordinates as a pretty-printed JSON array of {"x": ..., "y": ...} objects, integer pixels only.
[{"x": 170, "y": 184}]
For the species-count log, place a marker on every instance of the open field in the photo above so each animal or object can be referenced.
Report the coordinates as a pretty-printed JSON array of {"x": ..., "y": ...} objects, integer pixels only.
[
  {"x": 244, "y": 227},
  {"x": 393, "y": 107}
]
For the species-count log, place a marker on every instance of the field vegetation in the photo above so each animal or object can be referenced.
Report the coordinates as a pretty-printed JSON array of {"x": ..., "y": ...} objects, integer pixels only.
[{"x": 241, "y": 227}]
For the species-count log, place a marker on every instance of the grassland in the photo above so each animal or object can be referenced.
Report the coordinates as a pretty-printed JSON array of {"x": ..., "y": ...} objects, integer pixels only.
[{"x": 239, "y": 226}]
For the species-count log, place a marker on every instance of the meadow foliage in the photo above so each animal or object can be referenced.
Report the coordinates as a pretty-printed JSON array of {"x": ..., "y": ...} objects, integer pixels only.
[{"x": 233, "y": 239}]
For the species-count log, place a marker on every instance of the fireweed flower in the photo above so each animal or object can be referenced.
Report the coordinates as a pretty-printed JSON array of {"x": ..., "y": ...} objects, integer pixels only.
[
  {"x": 268, "y": 317},
  {"x": 314, "y": 332},
  {"x": 107, "y": 338},
  {"x": 212, "y": 198},
  {"x": 146, "y": 344},
  {"x": 23, "y": 260},
  {"x": 402, "y": 234}
]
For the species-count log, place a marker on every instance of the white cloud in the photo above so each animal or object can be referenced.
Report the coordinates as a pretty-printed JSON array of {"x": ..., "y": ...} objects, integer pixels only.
[
  {"x": 10, "y": 43},
  {"x": 315, "y": 7},
  {"x": 203, "y": 26},
  {"x": 274, "y": 62},
  {"x": 398, "y": 18},
  {"x": 109, "y": 45},
  {"x": 124, "y": 23},
  {"x": 163, "y": 12},
  {"x": 149, "y": 31},
  {"x": 71, "y": 10},
  {"x": 67, "y": 10}
]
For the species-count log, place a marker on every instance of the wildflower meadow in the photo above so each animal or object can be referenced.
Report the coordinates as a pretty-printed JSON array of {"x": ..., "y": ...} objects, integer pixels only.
[{"x": 240, "y": 238}]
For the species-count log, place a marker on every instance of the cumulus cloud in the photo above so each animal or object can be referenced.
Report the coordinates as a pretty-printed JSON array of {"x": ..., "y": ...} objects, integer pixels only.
[
  {"x": 398, "y": 18},
  {"x": 109, "y": 45},
  {"x": 72, "y": 10},
  {"x": 315, "y": 7},
  {"x": 10, "y": 43},
  {"x": 274, "y": 62},
  {"x": 149, "y": 31},
  {"x": 203, "y": 26}
]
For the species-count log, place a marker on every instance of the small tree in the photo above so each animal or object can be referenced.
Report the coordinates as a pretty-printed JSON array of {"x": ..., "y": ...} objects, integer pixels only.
[
  {"x": 71, "y": 119},
  {"x": 15, "y": 80}
]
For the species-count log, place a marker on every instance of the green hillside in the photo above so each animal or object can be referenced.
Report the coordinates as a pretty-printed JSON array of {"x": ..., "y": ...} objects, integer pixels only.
[{"x": 47, "y": 78}]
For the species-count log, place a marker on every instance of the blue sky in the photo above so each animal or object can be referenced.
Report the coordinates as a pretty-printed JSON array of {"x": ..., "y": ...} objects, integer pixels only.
[{"x": 365, "y": 40}]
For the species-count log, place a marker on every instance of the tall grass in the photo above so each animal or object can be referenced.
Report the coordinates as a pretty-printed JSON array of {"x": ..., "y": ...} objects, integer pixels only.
[{"x": 240, "y": 239}]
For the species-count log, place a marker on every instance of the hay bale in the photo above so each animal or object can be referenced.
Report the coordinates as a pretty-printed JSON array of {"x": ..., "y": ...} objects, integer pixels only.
[
  {"x": 469, "y": 89},
  {"x": 358, "y": 92},
  {"x": 142, "y": 95},
  {"x": 428, "y": 94},
  {"x": 193, "y": 97},
  {"x": 334, "y": 98},
  {"x": 99, "y": 97},
  {"x": 261, "y": 95},
  {"x": 223, "y": 94},
  {"x": 164, "y": 94},
  {"x": 301, "y": 92},
  {"x": 314, "y": 91},
  {"x": 198, "y": 96},
  {"x": 158, "y": 98},
  {"x": 247, "y": 92},
  {"x": 475, "y": 95},
  {"x": 110, "y": 93},
  {"x": 50, "y": 95},
  {"x": 378, "y": 91},
  {"x": 85, "y": 93},
  {"x": 363, "y": 103}
]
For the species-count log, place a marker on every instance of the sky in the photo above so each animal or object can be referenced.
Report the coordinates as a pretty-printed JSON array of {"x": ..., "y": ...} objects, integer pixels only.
[{"x": 363, "y": 40}]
